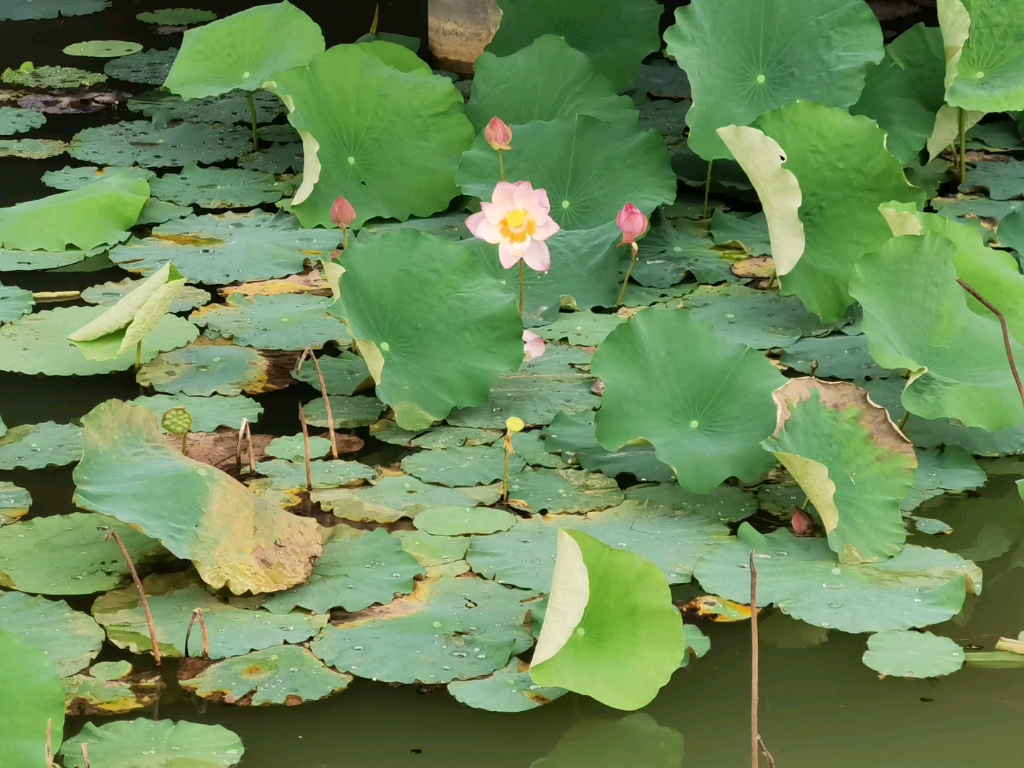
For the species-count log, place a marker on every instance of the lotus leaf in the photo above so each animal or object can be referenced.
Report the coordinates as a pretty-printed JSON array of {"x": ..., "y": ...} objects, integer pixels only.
[
  {"x": 918, "y": 587},
  {"x": 358, "y": 569},
  {"x": 852, "y": 462},
  {"x": 395, "y": 54},
  {"x": 394, "y": 497},
  {"x": 564, "y": 83},
  {"x": 562, "y": 490},
  {"x": 140, "y": 142},
  {"x": 463, "y": 466},
  {"x": 532, "y": 447},
  {"x": 952, "y": 470},
  {"x": 51, "y": 77},
  {"x": 176, "y": 17},
  {"x": 208, "y": 413},
  {"x": 69, "y": 639},
  {"x": 356, "y": 116},
  {"x": 98, "y": 214},
  {"x": 1004, "y": 134},
  {"x": 930, "y": 526},
  {"x": 913, "y": 654},
  {"x": 14, "y": 120},
  {"x": 32, "y": 701},
  {"x": 973, "y": 208},
  {"x": 525, "y": 555},
  {"x": 277, "y": 158},
  {"x": 17, "y": 10},
  {"x": 984, "y": 63},
  {"x": 636, "y": 739},
  {"x": 667, "y": 118},
  {"x": 575, "y": 438},
  {"x": 289, "y": 322},
  {"x": 460, "y": 521},
  {"x": 671, "y": 251},
  {"x": 343, "y": 374},
  {"x": 199, "y": 513},
  {"x": 508, "y": 690},
  {"x": 34, "y": 446},
  {"x": 431, "y": 551},
  {"x": 956, "y": 357},
  {"x": 154, "y": 744},
  {"x": 702, "y": 401},
  {"x": 605, "y": 605},
  {"x": 662, "y": 79},
  {"x": 79, "y": 561},
  {"x": 751, "y": 232},
  {"x": 233, "y": 630},
  {"x": 833, "y": 357},
  {"x": 448, "y": 629},
  {"x": 455, "y": 437},
  {"x": 14, "y": 302},
  {"x": 14, "y": 502},
  {"x": 285, "y": 674},
  {"x": 69, "y": 178},
  {"x": 219, "y": 188},
  {"x": 110, "y": 688},
  {"x": 844, "y": 172},
  {"x": 208, "y": 366},
  {"x": 112, "y": 292},
  {"x": 348, "y": 412},
  {"x": 231, "y": 247},
  {"x": 615, "y": 34},
  {"x": 726, "y": 503},
  {"x": 32, "y": 149},
  {"x": 582, "y": 329},
  {"x": 447, "y": 226},
  {"x": 103, "y": 49},
  {"x": 287, "y": 475},
  {"x": 292, "y": 448},
  {"x": 149, "y": 68},
  {"x": 1004, "y": 179},
  {"x": 227, "y": 108}
]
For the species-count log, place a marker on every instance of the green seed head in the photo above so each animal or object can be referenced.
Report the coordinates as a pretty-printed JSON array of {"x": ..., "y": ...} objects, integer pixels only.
[{"x": 177, "y": 421}]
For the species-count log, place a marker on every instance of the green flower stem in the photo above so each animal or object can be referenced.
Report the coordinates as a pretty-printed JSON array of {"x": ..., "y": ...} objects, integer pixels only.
[
  {"x": 252, "y": 111},
  {"x": 903, "y": 421},
  {"x": 522, "y": 289},
  {"x": 963, "y": 146},
  {"x": 344, "y": 244},
  {"x": 501, "y": 165},
  {"x": 629, "y": 272},
  {"x": 707, "y": 188},
  {"x": 138, "y": 355}
]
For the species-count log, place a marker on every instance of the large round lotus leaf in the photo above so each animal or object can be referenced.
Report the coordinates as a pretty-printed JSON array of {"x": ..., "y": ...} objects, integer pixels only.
[
  {"x": 459, "y": 521},
  {"x": 19, "y": 10},
  {"x": 615, "y": 34},
  {"x": 219, "y": 188},
  {"x": 229, "y": 248},
  {"x": 672, "y": 540},
  {"x": 188, "y": 298},
  {"x": 918, "y": 587},
  {"x": 149, "y": 68},
  {"x": 33, "y": 702},
  {"x": 51, "y": 77},
  {"x": 563, "y": 83},
  {"x": 589, "y": 168},
  {"x": 291, "y": 448},
  {"x": 957, "y": 359},
  {"x": 289, "y": 322},
  {"x": 741, "y": 62},
  {"x": 844, "y": 172},
  {"x": 575, "y": 438},
  {"x": 285, "y": 674},
  {"x": 913, "y": 654},
  {"x": 581, "y": 329},
  {"x": 1004, "y": 179},
  {"x": 176, "y": 17},
  {"x": 508, "y": 690},
  {"x": 78, "y": 561},
  {"x": 143, "y": 143},
  {"x": 726, "y": 503},
  {"x": 14, "y": 302},
  {"x": 233, "y": 630},
  {"x": 287, "y": 475},
  {"x": 985, "y": 63},
  {"x": 463, "y": 466},
  {"x": 393, "y": 497},
  {"x": 14, "y": 502},
  {"x": 952, "y": 470},
  {"x": 342, "y": 374},
  {"x": 199, "y": 513},
  {"x": 226, "y": 108},
  {"x": 103, "y": 49},
  {"x": 448, "y": 629},
  {"x": 212, "y": 366},
  {"x": 356, "y": 116},
  {"x": 69, "y": 639},
  {"x": 703, "y": 402},
  {"x": 348, "y": 412},
  {"x": 34, "y": 446},
  {"x": 905, "y": 90},
  {"x": 208, "y": 413},
  {"x": 14, "y": 120},
  {"x": 836, "y": 357},
  {"x": 38, "y": 343},
  {"x": 536, "y": 393},
  {"x": 32, "y": 149},
  {"x": 562, "y": 490},
  {"x": 604, "y": 605},
  {"x": 425, "y": 358},
  {"x": 69, "y": 178},
  {"x": 99, "y": 214},
  {"x": 147, "y": 743},
  {"x": 243, "y": 50},
  {"x": 357, "y": 570},
  {"x": 851, "y": 460},
  {"x": 671, "y": 251}
]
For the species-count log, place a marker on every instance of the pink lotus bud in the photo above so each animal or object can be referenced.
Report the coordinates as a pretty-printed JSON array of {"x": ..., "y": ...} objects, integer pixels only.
[
  {"x": 633, "y": 224},
  {"x": 533, "y": 346},
  {"x": 802, "y": 523},
  {"x": 342, "y": 213},
  {"x": 597, "y": 387},
  {"x": 498, "y": 134}
]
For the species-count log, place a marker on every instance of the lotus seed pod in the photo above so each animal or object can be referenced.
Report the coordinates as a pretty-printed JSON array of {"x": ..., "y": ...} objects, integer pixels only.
[
  {"x": 177, "y": 421},
  {"x": 515, "y": 425}
]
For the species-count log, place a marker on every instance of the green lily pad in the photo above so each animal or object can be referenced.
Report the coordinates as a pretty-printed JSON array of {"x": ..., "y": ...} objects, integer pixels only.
[
  {"x": 740, "y": 64},
  {"x": 431, "y": 551},
  {"x": 575, "y": 438},
  {"x": 161, "y": 743},
  {"x": 952, "y": 470},
  {"x": 393, "y": 497},
  {"x": 211, "y": 366},
  {"x": 969, "y": 209},
  {"x": 34, "y": 446},
  {"x": 532, "y": 447},
  {"x": 32, "y": 149},
  {"x": 836, "y": 357},
  {"x": 103, "y": 49},
  {"x": 670, "y": 252},
  {"x": 1000, "y": 135},
  {"x": 918, "y": 587},
  {"x": 49, "y": 9},
  {"x": 426, "y": 361},
  {"x": 208, "y": 413},
  {"x": 348, "y": 412},
  {"x": 34, "y": 702},
  {"x": 564, "y": 83},
  {"x": 751, "y": 232},
  {"x": 176, "y": 17},
  {"x": 14, "y": 503},
  {"x": 342, "y": 374},
  {"x": 455, "y": 437},
  {"x": 292, "y": 448},
  {"x": 71, "y": 178},
  {"x": 14, "y": 120},
  {"x": 666, "y": 117},
  {"x": 562, "y": 490},
  {"x": 98, "y": 214},
  {"x": 507, "y": 690},
  {"x": 983, "y": 63},
  {"x": 461, "y": 521},
  {"x": 69, "y": 639},
  {"x": 358, "y": 569},
  {"x": 463, "y": 466},
  {"x": 277, "y": 158},
  {"x": 913, "y": 654},
  {"x": 219, "y": 188},
  {"x": 231, "y": 247},
  {"x": 604, "y": 606},
  {"x": 29, "y": 76},
  {"x": 1004, "y": 179},
  {"x": 707, "y": 434},
  {"x": 79, "y": 561},
  {"x": 288, "y": 321},
  {"x": 338, "y": 473},
  {"x": 140, "y": 142},
  {"x": 615, "y": 34},
  {"x": 148, "y": 68},
  {"x": 202, "y": 514},
  {"x": 448, "y": 629},
  {"x": 636, "y": 739},
  {"x": 285, "y": 674},
  {"x": 726, "y": 503},
  {"x": 581, "y": 329},
  {"x": 228, "y": 108},
  {"x": 930, "y": 526},
  {"x": 233, "y": 630},
  {"x": 14, "y": 303},
  {"x": 106, "y": 294},
  {"x": 110, "y": 688}
]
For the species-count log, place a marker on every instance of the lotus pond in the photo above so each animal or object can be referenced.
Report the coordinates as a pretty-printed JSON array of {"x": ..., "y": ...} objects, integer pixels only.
[{"x": 354, "y": 412}]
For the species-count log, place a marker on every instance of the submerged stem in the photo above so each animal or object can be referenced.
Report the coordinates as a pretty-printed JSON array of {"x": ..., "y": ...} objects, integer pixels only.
[
  {"x": 707, "y": 188},
  {"x": 522, "y": 289},
  {"x": 963, "y": 145},
  {"x": 142, "y": 594},
  {"x": 1006, "y": 334},
  {"x": 629, "y": 272},
  {"x": 255, "y": 122}
]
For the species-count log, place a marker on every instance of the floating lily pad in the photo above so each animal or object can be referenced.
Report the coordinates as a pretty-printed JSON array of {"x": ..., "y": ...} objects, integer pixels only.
[
  {"x": 394, "y": 497},
  {"x": 150, "y": 67},
  {"x": 34, "y": 446},
  {"x": 749, "y": 231},
  {"x": 952, "y": 470},
  {"x": 532, "y": 447},
  {"x": 671, "y": 251},
  {"x": 460, "y": 521},
  {"x": 103, "y": 49},
  {"x": 348, "y": 412},
  {"x": 208, "y": 413},
  {"x": 140, "y": 142},
  {"x": 930, "y": 526},
  {"x": 726, "y": 503},
  {"x": 14, "y": 302},
  {"x": 79, "y": 561},
  {"x": 448, "y": 629},
  {"x": 33, "y": 704},
  {"x": 71, "y": 178},
  {"x": 290, "y": 322},
  {"x": 342, "y": 374},
  {"x": 14, "y": 120},
  {"x": 358, "y": 569},
  {"x": 432, "y": 551},
  {"x": 162, "y": 743},
  {"x": 14, "y": 502},
  {"x": 508, "y": 690},
  {"x": 69, "y": 639},
  {"x": 110, "y": 688},
  {"x": 463, "y": 466},
  {"x": 576, "y": 439},
  {"x": 581, "y": 329},
  {"x": 51, "y": 77},
  {"x": 208, "y": 366},
  {"x": 176, "y": 17},
  {"x": 913, "y": 654},
  {"x": 219, "y": 188},
  {"x": 49, "y": 9},
  {"x": 835, "y": 357},
  {"x": 292, "y": 448},
  {"x": 1004, "y": 179},
  {"x": 227, "y": 108},
  {"x": 562, "y": 490},
  {"x": 667, "y": 118},
  {"x": 277, "y": 158},
  {"x": 455, "y": 437},
  {"x": 287, "y": 475},
  {"x": 32, "y": 149}
]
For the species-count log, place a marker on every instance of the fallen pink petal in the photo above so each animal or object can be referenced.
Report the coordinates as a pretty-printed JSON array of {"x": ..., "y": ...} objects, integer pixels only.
[{"x": 533, "y": 346}]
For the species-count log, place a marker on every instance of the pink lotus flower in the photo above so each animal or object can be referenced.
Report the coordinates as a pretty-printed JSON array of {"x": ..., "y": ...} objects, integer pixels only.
[
  {"x": 498, "y": 135},
  {"x": 517, "y": 221},
  {"x": 342, "y": 213},
  {"x": 633, "y": 224},
  {"x": 533, "y": 346}
]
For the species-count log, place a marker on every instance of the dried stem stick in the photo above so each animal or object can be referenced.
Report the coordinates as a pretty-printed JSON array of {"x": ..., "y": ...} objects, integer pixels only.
[
  {"x": 142, "y": 594},
  {"x": 1006, "y": 334},
  {"x": 305, "y": 445},
  {"x": 197, "y": 614},
  {"x": 308, "y": 353},
  {"x": 244, "y": 432},
  {"x": 85, "y": 754},
  {"x": 49, "y": 743},
  {"x": 755, "y": 737}
]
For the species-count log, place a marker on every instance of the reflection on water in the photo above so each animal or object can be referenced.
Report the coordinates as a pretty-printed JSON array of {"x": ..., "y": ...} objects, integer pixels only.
[{"x": 635, "y": 740}]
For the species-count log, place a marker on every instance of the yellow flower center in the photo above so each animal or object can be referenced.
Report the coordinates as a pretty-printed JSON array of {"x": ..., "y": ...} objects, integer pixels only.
[{"x": 516, "y": 226}]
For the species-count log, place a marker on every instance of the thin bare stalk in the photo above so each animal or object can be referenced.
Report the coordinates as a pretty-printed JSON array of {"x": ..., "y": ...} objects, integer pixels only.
[
  {"x": 707, "y": 188},
  {"x": 184, "y": 444},
  {"x": 522, "y": 289},
  {"x": 307, "y": 354},
  {"x": 255, "y": 122},
  {"x": 305, "y": 445},
  {"x": 244, "y": 432},
  {"x": 138, "y": 356},
  {"x": 197, "y": 615},
  {"x": 629, "y": 273},
  {"x": 508, "y": 451},
  {"x": 85, "y": 754},
  {"x": 1006, "y": 334},
  {"x": 766, "y": 753},
  {"x": 963, "y": 145},
  {"x": 49, "y": 743},
  {"x": 904, "y": 420},
  {"x": 501, "y": 164},
  {"x": 376, "y": 18},
  {"x": 142, "y": 594}
]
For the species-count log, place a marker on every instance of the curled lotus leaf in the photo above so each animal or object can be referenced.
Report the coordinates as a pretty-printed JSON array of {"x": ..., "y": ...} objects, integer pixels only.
[
  {"x": 69, "y": 639},
  {"x": 33, "y": 702},
  {"x": 510, "y": 689},
  {"x": 163, "y": 743}
]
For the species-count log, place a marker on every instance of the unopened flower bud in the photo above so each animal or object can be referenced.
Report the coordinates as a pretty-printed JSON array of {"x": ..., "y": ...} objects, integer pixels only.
[
  {"x": 342, "y": 213},
  {"x": 633, "y": 223},
  {"x": 802, "y": 523},
  {"x": 498, "y": 134}
]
